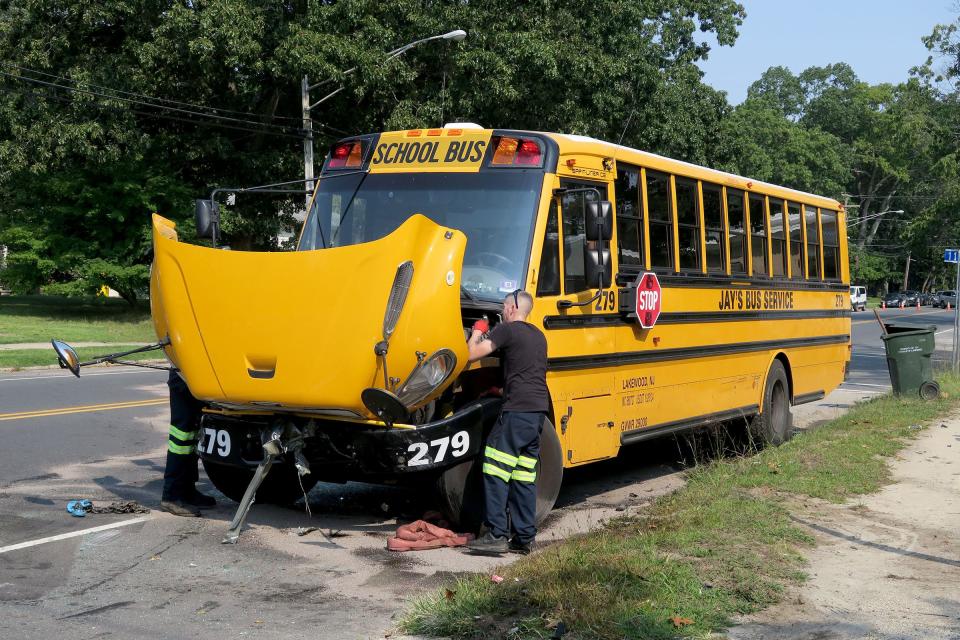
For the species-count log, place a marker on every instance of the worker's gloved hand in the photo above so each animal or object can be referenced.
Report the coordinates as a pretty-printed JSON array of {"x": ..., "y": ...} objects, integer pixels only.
[{"x": 481, "y": 325}]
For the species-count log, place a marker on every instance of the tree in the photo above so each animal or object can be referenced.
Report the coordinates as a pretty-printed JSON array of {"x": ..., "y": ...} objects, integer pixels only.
[{"x": 100, "y": 123}]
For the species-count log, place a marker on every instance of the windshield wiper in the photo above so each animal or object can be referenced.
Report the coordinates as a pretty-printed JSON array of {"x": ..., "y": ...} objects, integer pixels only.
[
  {"x": 469, "y": 296},
  {"x": 323, "y": 240},
  {"x": 346, "y": 209}
]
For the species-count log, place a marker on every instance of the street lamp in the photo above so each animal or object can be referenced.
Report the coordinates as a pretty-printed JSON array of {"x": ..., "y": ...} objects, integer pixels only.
[{"x": 305, "y": 88}]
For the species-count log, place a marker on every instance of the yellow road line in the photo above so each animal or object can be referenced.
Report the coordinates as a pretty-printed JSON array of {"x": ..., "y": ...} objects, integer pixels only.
[{"x": 41, "y": 413}]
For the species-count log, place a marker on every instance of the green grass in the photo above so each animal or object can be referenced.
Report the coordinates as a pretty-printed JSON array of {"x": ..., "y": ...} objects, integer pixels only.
[
  {"x": 40, "y": 318},
  {"x": 722, "y": 545},
  {"x": 20, "y": 358}
]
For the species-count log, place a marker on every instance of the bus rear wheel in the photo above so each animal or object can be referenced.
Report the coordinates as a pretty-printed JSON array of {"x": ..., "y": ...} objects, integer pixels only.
[
  {"x": 774, "y": 424},
  {"x": 281, "y": 486},
  {"x": 460, "y": 488}
]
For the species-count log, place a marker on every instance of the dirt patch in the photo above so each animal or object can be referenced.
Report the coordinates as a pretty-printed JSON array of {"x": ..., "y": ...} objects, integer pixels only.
[{"x": 886, "y": 565}]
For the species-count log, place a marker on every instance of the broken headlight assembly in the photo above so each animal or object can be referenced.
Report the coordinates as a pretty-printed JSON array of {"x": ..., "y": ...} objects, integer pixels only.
[{"x": 428, "y": 375}]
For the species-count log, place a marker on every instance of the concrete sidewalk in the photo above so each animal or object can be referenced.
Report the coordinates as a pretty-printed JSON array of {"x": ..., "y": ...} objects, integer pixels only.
[{"x": 887, "y": 565}]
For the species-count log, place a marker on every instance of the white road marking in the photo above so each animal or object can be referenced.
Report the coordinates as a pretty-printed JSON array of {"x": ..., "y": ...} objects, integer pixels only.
[
  {"x": 72, "y": 534},
  {"x": 66, "y": 375},
  {"x": 868, "y": 384}
]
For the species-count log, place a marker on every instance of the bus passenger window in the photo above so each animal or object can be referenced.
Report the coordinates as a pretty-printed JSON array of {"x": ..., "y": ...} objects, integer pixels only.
[
  {"x": 738, "y": 232},
  {"x": 778, "y": 239},
  {"x": 713, "y": 225},
  {"x": 688, "y": 223},
  {"x": 629, "y": 217},
  {"x": 831, "y": 245},
  {"x": 661, "y": 220},
  {"x": 548, "y": 278},
  {"x": 796, "y": 241},
  {"x": 813, "y": 242},
  {"x": 758, "y": 233}
]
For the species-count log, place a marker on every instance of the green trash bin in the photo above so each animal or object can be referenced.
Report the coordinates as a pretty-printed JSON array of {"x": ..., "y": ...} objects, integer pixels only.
[{"x": 909, "y": 349}]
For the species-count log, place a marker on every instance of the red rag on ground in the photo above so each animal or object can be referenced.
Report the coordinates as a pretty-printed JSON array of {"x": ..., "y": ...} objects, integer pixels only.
[{"x": 421, "y": 535}]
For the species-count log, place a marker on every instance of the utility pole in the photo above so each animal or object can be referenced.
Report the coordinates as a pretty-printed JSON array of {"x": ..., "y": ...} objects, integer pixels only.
[
  {"x": 956, "y": 324},
  {"x": 906, "y": 273},
  {"x": 305, "y": 87},
  {"x": 307, "y": 141}
]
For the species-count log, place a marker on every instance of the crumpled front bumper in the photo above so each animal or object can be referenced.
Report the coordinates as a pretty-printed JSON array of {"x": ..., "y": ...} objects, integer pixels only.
[{"x": 340, "y": 451}]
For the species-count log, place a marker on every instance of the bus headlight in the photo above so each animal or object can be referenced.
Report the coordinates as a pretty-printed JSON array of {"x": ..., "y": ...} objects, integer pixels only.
[{"x": 426, "y": 377}]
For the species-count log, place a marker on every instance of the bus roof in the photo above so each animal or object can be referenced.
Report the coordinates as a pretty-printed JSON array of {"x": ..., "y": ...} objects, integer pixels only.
[{"x": 693, "y": 170}]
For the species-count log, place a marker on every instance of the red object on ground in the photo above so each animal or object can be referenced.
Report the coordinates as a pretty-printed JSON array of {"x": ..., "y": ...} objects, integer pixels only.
[{"x": 421, "y": 535}]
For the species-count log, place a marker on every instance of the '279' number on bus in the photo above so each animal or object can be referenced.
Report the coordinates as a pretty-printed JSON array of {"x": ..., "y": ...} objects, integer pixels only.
[
  {"x": 216, "y": 438},
  {"x": 458, "y": 444}
]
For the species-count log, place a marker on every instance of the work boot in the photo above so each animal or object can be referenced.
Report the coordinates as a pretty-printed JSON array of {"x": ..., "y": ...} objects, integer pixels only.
[
  {"x": 488, "y": 544},
  {"x": 200, "y": 500},
  {"x": 180, "y": 508},
  {"x": 516, "y": 546}
]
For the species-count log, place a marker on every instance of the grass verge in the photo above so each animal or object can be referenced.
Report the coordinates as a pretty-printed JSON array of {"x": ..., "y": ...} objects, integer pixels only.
[
  {"x": 20, "y": 358},
  {"x": 39, "y": 318},
  {"x": 722, "y": 545}
]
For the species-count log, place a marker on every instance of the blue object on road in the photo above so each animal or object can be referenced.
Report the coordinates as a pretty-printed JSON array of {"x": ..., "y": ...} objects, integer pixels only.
[{"x": 79, "y": 508}]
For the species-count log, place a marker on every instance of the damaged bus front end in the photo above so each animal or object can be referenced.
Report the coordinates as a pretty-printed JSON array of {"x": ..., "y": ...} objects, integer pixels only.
[{"x": 347, "y": 359}]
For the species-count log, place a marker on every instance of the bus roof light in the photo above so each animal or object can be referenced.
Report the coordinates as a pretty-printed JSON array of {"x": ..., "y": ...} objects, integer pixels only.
[
  {"x": 345, "y": 155},
  {"x": 506, "y": 149},
  {"x": 529, "y": 153}
]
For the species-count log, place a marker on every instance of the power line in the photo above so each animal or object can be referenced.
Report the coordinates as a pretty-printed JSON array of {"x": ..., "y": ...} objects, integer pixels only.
[
  {"x": 149, "y": 114},
  {"x": 249, "y": 123},
  {"x": 148, "y": 97}
]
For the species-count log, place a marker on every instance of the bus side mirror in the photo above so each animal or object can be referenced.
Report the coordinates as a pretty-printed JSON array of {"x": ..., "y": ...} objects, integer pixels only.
[
  {"x": 599, "y": 222},
  {"x": 596, "y": 267},
  {"x": 207, "y": 215}
]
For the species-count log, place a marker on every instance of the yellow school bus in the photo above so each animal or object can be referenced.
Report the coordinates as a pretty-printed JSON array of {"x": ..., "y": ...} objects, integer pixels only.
[{"x": 356, "y": 342}]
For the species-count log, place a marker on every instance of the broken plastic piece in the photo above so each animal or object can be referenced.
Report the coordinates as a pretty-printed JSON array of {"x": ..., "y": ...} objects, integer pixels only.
[
  {"x": 79, "y": 508},
  {"x": 495, "y": 578}
]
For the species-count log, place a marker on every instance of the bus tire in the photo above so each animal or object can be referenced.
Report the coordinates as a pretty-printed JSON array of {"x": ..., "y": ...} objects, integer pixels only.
[
  {"x": 460, "y": 488},
  {"x": 281, "y": 486},
  {"x": 774, "y": 424}
]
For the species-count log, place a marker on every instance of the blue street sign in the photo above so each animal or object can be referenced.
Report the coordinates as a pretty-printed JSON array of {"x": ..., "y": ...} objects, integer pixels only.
[{"x": 951, "y": 255}]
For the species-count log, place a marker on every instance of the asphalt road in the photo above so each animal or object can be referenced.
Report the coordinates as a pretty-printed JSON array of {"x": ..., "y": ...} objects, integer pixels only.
[{"x": 103, "y": 437}]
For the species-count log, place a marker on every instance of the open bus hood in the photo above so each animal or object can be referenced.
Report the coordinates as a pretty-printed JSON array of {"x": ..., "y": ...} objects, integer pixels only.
[{"x": 296, "y": 330}]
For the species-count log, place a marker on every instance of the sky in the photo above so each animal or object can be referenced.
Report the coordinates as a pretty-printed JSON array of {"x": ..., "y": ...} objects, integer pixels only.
[{"x": 880, "y": 39}]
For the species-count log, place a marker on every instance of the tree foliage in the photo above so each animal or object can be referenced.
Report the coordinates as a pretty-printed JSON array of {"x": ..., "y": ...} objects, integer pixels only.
[{"x": 99, "y": 123}]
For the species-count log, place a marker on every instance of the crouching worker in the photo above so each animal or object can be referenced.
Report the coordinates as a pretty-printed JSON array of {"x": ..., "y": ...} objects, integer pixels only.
[
  {"x": 513, "y": 446},
  {"x": 180, "y": 497}
]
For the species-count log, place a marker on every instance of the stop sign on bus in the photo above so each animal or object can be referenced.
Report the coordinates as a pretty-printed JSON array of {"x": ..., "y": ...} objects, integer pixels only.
[{"x": 649, "y": 300}]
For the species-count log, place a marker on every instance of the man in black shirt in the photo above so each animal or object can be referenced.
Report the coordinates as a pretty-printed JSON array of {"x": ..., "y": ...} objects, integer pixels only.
[{"x": 513, "y": 446}]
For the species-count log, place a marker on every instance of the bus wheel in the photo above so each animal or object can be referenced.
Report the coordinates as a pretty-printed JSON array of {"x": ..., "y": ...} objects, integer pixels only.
[
  {"x": 460, "y": 488},
  {"x": 281, "y": 486},
  {"x": 774, "y": 425}
]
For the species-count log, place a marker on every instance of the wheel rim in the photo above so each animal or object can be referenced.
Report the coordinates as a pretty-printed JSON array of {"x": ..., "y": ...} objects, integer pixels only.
[{"x": 779, "y": 409}]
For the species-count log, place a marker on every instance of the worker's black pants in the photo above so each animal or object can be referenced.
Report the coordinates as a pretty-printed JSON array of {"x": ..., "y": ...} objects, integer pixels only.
[
  {"x": 181, "y": 472},
  {"x": 510, "y": 475}
]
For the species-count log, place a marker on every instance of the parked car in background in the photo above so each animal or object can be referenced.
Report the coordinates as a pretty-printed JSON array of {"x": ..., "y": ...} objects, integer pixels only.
[
  {"x": 926, "y": 298},
  {"x": 911, "y": 298},
  {"x": 936, "y": 298},
  {"x": 858, "y": 298},
  {"x": 948, "y": 297},
  {"x": 894, "y": 298}
]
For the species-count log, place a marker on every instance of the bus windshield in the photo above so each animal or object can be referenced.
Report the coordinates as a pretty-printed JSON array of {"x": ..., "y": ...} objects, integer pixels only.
[{"x": 495, "y": 210}]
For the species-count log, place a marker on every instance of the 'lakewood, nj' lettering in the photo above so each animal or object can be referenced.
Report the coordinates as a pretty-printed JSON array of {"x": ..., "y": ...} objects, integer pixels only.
[{"x": 736, "y": 299}]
